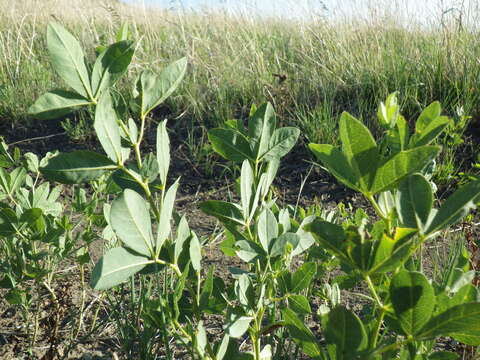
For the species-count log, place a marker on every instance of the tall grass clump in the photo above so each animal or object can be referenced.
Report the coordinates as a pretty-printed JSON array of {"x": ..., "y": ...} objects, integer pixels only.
[{"x": 309, "y": 69}]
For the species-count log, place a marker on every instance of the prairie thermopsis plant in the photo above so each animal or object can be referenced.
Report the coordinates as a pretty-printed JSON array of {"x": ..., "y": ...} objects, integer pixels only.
[{"x": 269, "y": 299}]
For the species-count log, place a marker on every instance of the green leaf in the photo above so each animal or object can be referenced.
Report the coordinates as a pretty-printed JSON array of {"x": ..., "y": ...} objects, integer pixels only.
[
  {"x": 107, "y": 129},
  {"x": 226, "y": 212},
  {"x": 222, "y": 347},
  {"x": 261, "y": 126},
  {"x": 401, "y": 165},
  {"x": 195, "y": 252},
  {"x": 244, "y": 290},
  {"x": 130, "y": 219},
  {"x": 237, "y": 325},
  {"x": 267, "y": 228},
  {"x": 388, "y": 112},
  {"x": 278, "y": 246},
  {"x": 461, "y": 320},
  {"x": 116, "y": 266},
  {"x": 123, "y": 33},
  {"x": 56, "y": 103},
  {"x": 391, "y": 253},
  {"x": 164, "y": 227},
  {"x": 306, "y": 239},
  {"x": 154, "y": 89},
  {"x": 230, "y": 144},
  {"x": 430, "y": 132},
  {"x": 206, "y": 290},
  {"x": 302, "y": 278},
  {"x": 430, "y": 113},
  {"x": 345, "y": 330},
  {"x": 413, "y": 300},
  {"x": 10, "y": 183},
  {"x": 163, "y": 151},
  {"x": 269, "y": 176},
  {"x": 299, "y": 304},
  {"x": 403, "y": 132},
  {"x": 360, "y": 149},
  {"x": 8, "y": 220},
  {"x": 201, "y": 339},
  {"x": 31, "y": 215},
  {"x": 77, "y": 167},
  {"x": 300, "y": 334},
  {"x": 183, "y": 234},
  {"x": 282, "y": 141},
  {"x": 414, "y": 202},
  {"x": 246, "y": 188},
  {"x": 336, "y": 163},
  {"x": 128, "y": 180},
  {"x": 68, "y": 59},
  {"x": 443, "y": 355},
  {"x": 331, "y": 236},
  {"x": 248, "y": 250},
  {"x": 266, "y": 353},
  {"x": 110, "y": 65},
  {"x": 456, "y": 206}
]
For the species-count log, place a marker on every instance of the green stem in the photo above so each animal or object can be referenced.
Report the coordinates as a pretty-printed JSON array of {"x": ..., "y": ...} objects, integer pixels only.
[
  {"x": 377, "y": 208},
  {"x": 256, "y": 345},
  {"x": 376, "y": 334},
  {"x": 373, "y": 291},
  {"x": 394, "y": 346},
  {"x": 138, "y": 155},
  {"x": 145, "y": 188},
  {"x": 82, "y": 303},
  {"x": 165, "y": 336}
]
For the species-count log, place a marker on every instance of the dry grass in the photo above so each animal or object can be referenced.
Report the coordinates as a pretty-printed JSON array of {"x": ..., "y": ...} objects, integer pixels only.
[{"x": 328, "y": 66}]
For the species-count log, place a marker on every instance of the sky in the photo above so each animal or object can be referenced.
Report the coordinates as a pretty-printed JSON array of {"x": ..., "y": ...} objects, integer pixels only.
[{"x": 420, "y": 10}]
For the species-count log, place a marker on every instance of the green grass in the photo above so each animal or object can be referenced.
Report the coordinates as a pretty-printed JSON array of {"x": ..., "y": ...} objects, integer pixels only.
[{"x": 330, "y": 67}]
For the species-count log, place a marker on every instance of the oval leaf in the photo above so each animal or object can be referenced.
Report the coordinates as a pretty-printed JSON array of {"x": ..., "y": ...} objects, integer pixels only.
[
  {"x": 301, "y": 334},
  {"x": 462, "y": 320},
  {"x": 267, "y": 228},
  {"x": 163, "y": 151},
  {"x": 230, "y": 144},
  {"x": 224, "y": 211},
  {"x": 111, "y": 65},
  {"x": 282, "y": 141},
  {"x": 164, "y": 227},
  {"x": 107, "y": 129},
  {"x": 195, "y": 251},
  {"x": 130, "y": 219},
  {"x": 116, "y": 266},
  {"x": 237, "y": 325},
  {"x": 414, "y": 202},
  {"x": 68, "y": 59},
  {"x": 246, "y": 191},
  {"x": 413, "y": 300},
  {"x": 56, "y": 103},
  {"x": 456, "y": 206},
  {"x": 360, "y": 149},
  {"x": 345, "y": 330},
  {"x": 155, "y": 89},
  {"x": 302, "y": 278},
  {"x": 77, "y": 167},
  {"x": 401, "y": 165},
  {"x": 261, "y": 126},
  {"x": 336, "y": 162}
]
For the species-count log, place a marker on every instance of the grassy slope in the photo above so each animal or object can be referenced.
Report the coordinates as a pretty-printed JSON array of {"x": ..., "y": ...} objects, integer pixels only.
[{"x": 329, "y": 67}]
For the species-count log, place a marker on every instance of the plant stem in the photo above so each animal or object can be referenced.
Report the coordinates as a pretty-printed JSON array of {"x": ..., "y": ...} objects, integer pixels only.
[
  {"x": 378, "y": 328},
  {"x": 373, "y": 291},
  {"x": 377, "y": 208},
  {"x": 82, "y": 303}
]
